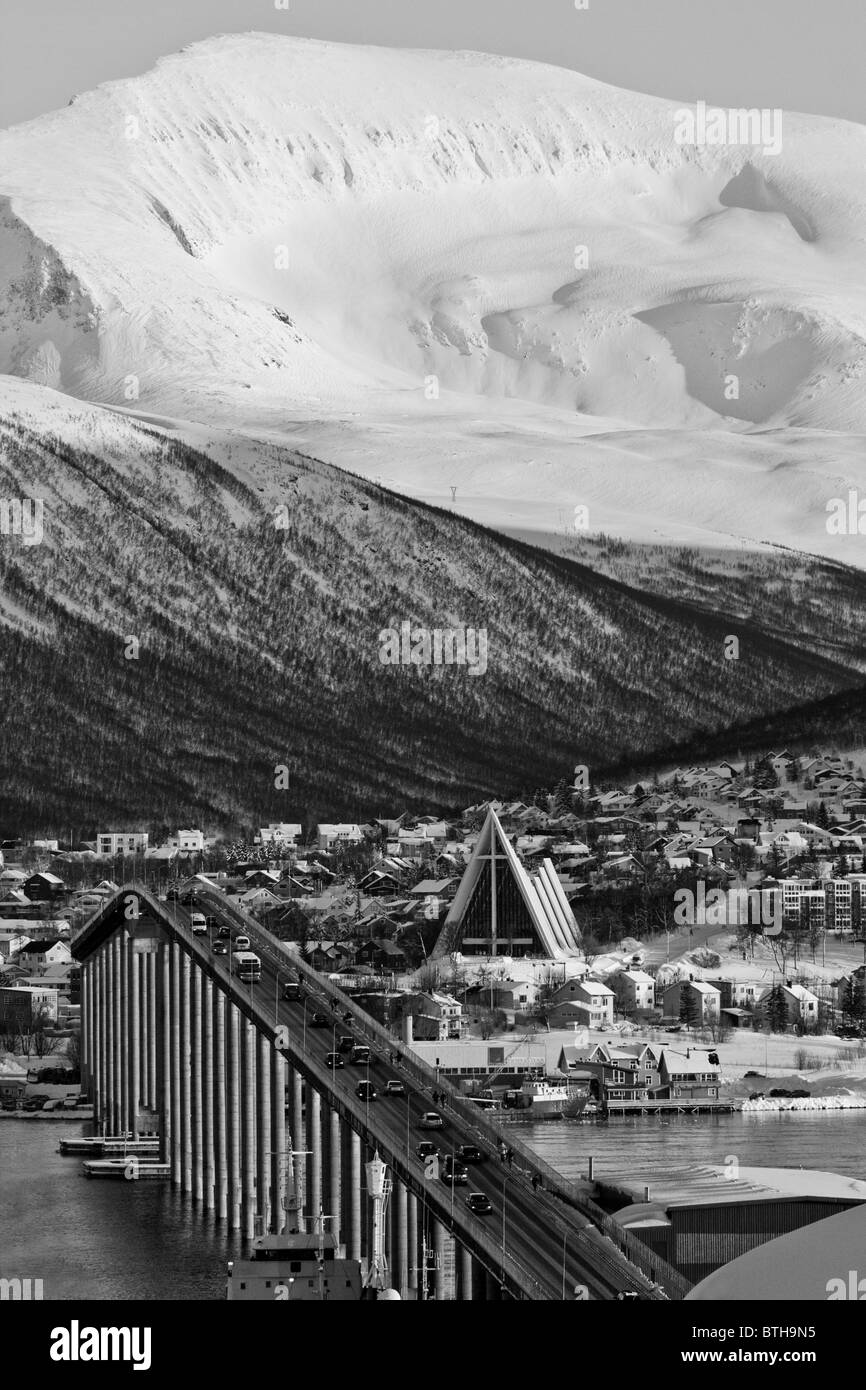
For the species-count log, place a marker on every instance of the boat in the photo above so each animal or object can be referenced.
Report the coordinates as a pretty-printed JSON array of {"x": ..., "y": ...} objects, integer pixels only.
[
  {"x": 310, "y": 1266},
  {"x": 547, "y": 1099},
  {"x": 295, "y": 1267}
]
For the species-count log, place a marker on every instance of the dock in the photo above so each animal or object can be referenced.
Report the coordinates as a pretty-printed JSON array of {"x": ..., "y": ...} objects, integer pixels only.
[
  {"x": 127, "y": 1169},
  {"x": 669, "y": 1107},
  {"x": 108, "y": 1146}
]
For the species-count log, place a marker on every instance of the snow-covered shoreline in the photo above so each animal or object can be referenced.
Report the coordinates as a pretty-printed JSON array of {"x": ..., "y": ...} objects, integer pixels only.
[{"x": 768, "y": 1103}]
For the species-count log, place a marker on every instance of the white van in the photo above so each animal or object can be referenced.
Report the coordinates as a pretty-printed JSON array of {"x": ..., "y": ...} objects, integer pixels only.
[
  {"x": 242, "y": 943},
  {"x": 198, "y": 922}
]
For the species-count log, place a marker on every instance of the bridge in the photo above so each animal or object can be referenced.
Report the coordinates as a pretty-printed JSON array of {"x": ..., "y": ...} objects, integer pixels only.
[{"x": 235, "y": 1081}]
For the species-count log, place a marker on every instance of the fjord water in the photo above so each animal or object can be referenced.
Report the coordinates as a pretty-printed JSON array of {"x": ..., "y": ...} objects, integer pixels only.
[{"x": 126, "y": 1240}]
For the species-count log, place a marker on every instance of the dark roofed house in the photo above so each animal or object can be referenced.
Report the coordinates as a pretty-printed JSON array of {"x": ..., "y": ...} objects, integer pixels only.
[
  {"x": 43, "y": 887},
  {"x": 383, "y": 955}
]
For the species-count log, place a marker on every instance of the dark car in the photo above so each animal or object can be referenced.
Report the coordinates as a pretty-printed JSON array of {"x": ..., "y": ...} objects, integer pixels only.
[
  {"x": 365, "y": 1090},
  {"x": 220, "y": 948},
  {"x": 478, "y": 1203},
  {"x": 319, "y": 1021},
  {"x": 454, "y": 1172},
  {"x": 224, "y": 933},
  {"x": 470, "y": 1153},
  {"x": 334, "y": 1059},
  {"x": 346, "y": 1042},
  {"x": 291, "y": 990},
  {"x": 32, "y": 1104},
  {"x": 395, "y": 1088},
  {"x": 427, "y": 1149},
  {"x": 172, "y": 895}
]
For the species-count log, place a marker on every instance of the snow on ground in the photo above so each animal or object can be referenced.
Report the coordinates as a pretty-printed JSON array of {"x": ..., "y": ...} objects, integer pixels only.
[{"x": 452, "y": 270}]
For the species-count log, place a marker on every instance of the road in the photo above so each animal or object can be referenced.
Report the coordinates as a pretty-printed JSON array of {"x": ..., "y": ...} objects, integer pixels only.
[{"x": 560, "y": 1249}]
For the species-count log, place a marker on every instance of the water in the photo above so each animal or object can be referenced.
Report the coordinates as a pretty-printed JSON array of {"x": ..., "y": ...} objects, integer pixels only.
[
  {"x": 88, "y": 1238},
  {"x": 127, "y": 1240},
  {"x": 638, "y": 1146}
]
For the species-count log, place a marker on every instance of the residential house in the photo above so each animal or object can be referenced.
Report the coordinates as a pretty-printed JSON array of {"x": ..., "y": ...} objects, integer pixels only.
[
  {"x": 688, "y": 1076},
  {"x": 588, "y": 1003},
  {"x": 38, "y": 955},
  {"x": 23, "y": 1005},
  {"x": 187, "y": 841},
  {"x": 43, "y": 887},
  {"x": 707, "y": 1001},
  {"x": 434, "y": 1016},
  {"x": 801, "y": 1006},
  {"x": 634, "y": 991},
  {"x": 338, "y": 835},
  {"x": 114, "y": 842}
]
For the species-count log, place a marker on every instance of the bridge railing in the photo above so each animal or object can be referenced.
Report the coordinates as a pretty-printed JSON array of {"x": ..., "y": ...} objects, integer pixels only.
[{"x": 650, "y": 1269}]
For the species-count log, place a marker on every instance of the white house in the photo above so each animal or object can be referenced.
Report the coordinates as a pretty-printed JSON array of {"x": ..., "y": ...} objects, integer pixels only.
[
  {"x": 187, "y": 841},
  {"x": 283, "y": 832},
  {"x": 634, "y": 989},
  {"x": 332, "y": 836},
  {"x": 38, "y": 955},
  {"x": 113, "y": 842},
  {"x": 588, "y": 1002}
]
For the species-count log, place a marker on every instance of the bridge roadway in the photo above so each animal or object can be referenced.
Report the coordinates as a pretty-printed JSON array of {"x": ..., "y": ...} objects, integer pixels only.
[
  {"x": 541, "y": 1245},
  {"x": 555, "y": 1247}
]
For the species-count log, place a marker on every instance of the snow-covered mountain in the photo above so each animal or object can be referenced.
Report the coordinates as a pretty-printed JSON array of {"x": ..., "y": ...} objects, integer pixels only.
[{"x": 451, "y": 270}]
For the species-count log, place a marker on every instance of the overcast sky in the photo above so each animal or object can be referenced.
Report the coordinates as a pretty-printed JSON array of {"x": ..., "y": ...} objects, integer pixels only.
[{"x": 804, "y": 55}]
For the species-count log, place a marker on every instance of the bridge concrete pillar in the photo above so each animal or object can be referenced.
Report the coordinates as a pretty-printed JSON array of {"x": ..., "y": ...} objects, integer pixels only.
[
  {"x": 220, "y": 1096},
  {"x": 133, "y": 1046},
  {"x": 314, "y": 1144},
  {"x": 174, "y": 1015},
  {"x": 207, "y": 1059},
  {"x": 163, "y": 1076},
  {"x": 399, "y": 1239},
  {"x": 298, "y": 1137},
  {"x": 233, "y": 1114},
  {"x": 125, "y": 1118},
  {"x": 438, "y": 1239},
  {"x": 185, "y": 1072},
  {"x": 354, "y": 1196},
  {"x": 248, "y": 1130},
  {"x": 86, "y": 1049},
  {"x": 116, "y": 1038},
  {"x": 263, "y": 1131},
  {"x": 335, "y": 1155},
  {"x": 278, "y": 1140},
  {"x": 140, "y": 987},
  {"x": 152, "y": 1036},
  {"x": 196, "y": 1078},
  {"x": 412, "y": 1279},
  {"x": 464, "y": 1275},
  {"x": 102, "y": 1003}
]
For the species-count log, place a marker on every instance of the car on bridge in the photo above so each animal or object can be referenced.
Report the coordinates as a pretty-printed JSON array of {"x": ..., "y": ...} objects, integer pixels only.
[
  {"x": 291, "y": 990},
  {"x": 334, "y": 1059},
  {"x": 470, "y": 1153},
  {"x": 319, "y": 1021},
  {"x": 427, "y": 1149},
  {"x": 395, "y": 1088},
  {"x": 220, "y": 948},
  {"x": 430, "y": 1120},
  {"x": 365, "y": 1090},
  {"x": 242, "y": 942},
  {"x": 198, "y": 922},
  {"x": 454, "y": 1172},
  {"x": 479, "y": 1204}
]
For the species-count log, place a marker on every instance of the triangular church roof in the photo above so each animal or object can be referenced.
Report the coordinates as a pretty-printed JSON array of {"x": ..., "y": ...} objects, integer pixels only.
[{"x": 527, "y": 914}]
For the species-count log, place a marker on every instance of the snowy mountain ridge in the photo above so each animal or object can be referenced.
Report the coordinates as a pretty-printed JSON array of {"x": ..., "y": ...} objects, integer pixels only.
[{"x": 329, "y": 245}]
